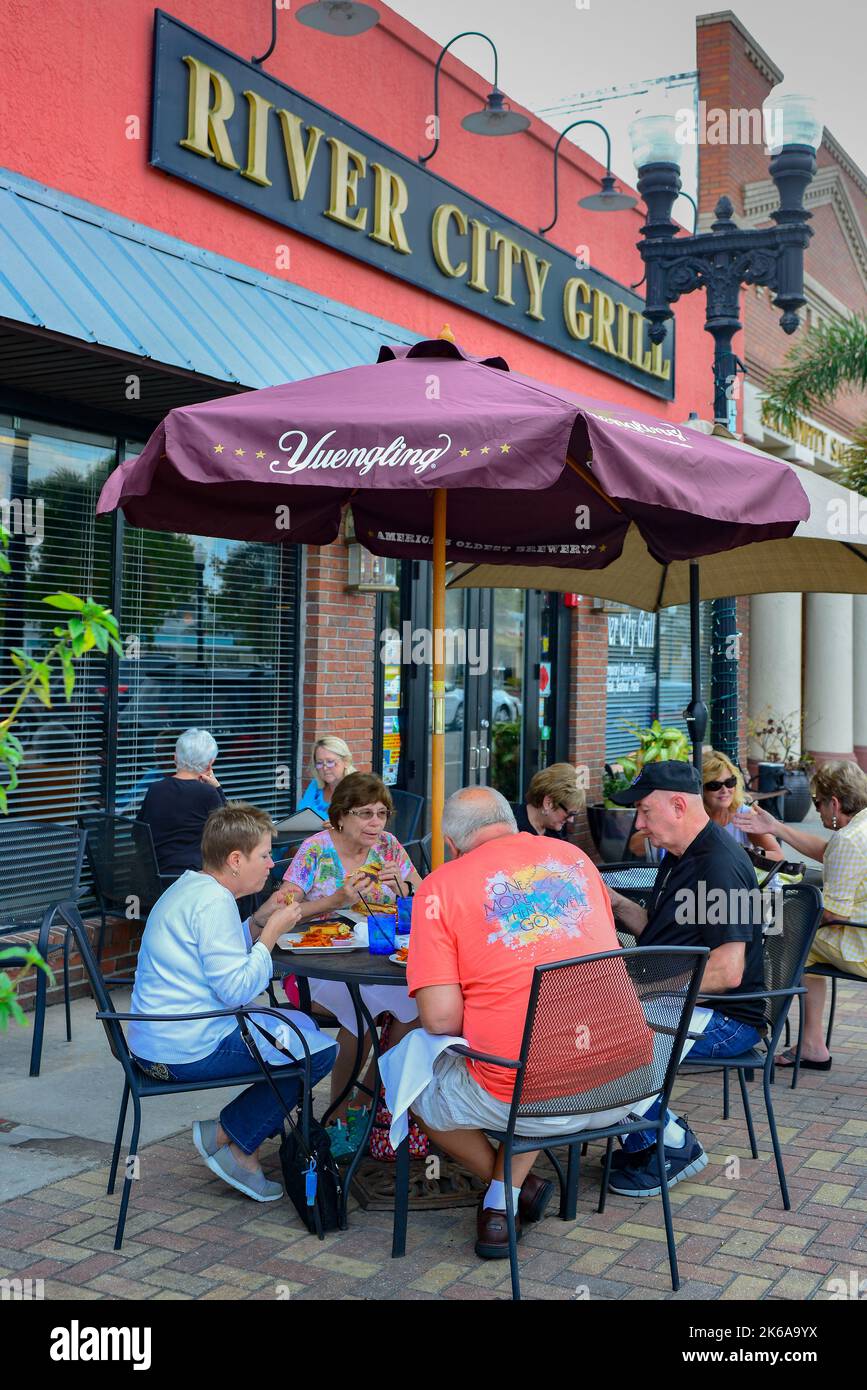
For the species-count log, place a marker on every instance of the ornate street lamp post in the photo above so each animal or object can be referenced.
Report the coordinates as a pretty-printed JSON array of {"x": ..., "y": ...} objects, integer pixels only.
[{"x": 720, "y": 262}]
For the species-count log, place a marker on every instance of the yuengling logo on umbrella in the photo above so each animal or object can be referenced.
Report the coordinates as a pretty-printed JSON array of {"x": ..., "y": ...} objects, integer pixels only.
[{"x": 397, "y": 454}]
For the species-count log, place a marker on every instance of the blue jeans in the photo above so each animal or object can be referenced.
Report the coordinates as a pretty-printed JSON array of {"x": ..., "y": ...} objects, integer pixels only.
[
  {"x": 723, "y": 1037},
  {"x": 254, "y": 1115}
]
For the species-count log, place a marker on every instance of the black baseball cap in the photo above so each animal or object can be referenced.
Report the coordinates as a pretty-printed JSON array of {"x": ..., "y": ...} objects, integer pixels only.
[{"x": 668, "y": 776}]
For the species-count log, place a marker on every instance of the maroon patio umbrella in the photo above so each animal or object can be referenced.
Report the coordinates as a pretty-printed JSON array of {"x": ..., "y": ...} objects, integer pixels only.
[{"x": 533, "y": 474}]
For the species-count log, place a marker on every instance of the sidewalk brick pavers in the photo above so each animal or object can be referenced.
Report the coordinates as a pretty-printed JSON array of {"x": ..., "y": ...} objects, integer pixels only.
[{"x": 189, "y": 1237}]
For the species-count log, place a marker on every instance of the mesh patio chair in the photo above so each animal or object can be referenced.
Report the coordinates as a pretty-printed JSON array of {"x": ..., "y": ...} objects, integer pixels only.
[
  {"x": 785, "y": 951},
  {"x": 41, "y": 866},
  {"x": 138, "y": 1086},
  {"x": 408, "y": 808},
  {"x": 123, "y": 864},
  {"x": 581, "y": 1015}
]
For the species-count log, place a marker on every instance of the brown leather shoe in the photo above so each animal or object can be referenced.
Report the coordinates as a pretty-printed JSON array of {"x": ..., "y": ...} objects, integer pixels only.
[
  {"x": 492, "y": 1232},
  {"x": 535, "y": 1196}
]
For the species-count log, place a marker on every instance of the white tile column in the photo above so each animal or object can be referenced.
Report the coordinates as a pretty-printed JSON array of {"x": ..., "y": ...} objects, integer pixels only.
[
  {"x": 828, "y": 703},
  {"x": 775, "y": 657}
]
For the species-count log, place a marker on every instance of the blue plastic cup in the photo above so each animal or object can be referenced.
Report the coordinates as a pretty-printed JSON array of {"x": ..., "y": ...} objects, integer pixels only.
[
  {"x": 380, "y": 934},
  {"x": 404, "y": 916}
]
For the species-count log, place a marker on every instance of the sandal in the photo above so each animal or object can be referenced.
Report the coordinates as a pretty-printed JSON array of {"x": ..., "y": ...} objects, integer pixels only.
[{"x": 787, "y": 1059}]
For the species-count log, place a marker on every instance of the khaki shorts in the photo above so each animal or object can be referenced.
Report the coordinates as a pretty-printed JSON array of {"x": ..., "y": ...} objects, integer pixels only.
[{"x": 454, "y": 1100}]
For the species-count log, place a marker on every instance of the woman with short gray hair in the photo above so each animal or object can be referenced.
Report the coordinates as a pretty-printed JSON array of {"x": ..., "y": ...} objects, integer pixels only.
[{"x": 177, "y": 806}]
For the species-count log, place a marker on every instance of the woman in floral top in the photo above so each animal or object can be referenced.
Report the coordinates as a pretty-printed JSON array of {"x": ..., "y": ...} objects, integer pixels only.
[{"x": 354, "y": 853}]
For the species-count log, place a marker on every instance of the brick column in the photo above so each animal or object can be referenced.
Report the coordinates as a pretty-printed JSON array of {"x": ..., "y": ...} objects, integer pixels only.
[
  {"x": 587, "y": 702},
  {"x": 340, "y": 650}
]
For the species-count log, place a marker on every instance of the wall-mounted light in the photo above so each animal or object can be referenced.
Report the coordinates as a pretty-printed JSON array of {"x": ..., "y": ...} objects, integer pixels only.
[
  {"x": 608, "y": 199},
  {"x": 496, "y": 116},
  {"x": 368, "y": 573},
  {"x": 344, "y": 18}
]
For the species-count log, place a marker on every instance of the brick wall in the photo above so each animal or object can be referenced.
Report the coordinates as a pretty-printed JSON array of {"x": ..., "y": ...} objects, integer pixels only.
[
  {"x": 587, "y": 702},
  {"x": 119, "y": 955},
  {"x": 340, "y": 651}
]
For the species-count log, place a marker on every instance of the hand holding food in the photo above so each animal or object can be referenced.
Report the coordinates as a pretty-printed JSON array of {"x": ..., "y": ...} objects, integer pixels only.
[{"x": 284, "y": 919}]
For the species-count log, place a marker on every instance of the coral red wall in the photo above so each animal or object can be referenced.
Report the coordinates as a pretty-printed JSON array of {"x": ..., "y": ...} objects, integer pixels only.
[{"x": 71, "y": 78}]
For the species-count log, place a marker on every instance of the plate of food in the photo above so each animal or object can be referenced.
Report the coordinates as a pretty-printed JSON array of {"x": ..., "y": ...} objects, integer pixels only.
[
  {"x": 331, "y": 934},
  {"x": 399, "y": 956}
]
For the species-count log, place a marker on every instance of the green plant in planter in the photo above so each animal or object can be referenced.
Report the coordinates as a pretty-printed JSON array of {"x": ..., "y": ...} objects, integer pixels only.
[
  {"x": 660, "y": 743},
  {"x": 618, "y": 776},
  {"x": 505, "y": 754}
]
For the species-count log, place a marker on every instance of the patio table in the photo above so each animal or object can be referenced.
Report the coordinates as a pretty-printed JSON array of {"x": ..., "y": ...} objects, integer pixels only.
[{"x": 354, "y": 969}]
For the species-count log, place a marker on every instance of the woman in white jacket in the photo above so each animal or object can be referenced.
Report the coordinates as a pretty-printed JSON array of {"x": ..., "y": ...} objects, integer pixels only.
[{"x": 197, "y": 956}]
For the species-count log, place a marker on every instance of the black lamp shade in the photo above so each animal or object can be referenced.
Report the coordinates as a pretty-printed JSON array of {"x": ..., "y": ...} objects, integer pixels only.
[
  {"x": 496, "y": 118},
  {"x": 341, "y": 17}
]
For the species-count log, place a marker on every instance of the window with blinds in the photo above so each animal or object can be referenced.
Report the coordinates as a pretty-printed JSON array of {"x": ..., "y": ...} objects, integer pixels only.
[
  {"x": 210, "y": 641},
  {"x": 49, "y": 483},
  {"x": 649, "y": 673},
  {"x": 209, "y": 631}
]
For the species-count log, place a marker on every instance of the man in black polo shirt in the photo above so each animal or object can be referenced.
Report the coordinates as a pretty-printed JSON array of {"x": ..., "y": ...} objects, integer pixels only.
[{"x": 706, "y": 894}]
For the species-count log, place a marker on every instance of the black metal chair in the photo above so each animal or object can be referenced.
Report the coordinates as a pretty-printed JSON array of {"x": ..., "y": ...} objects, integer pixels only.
[
  {"x": 123, "y": 864},
  {"x": 832, "y": 973},
  {"x": 785, "y": 951},
  {"x": 138, "y": 1086},
  {"x": 408, "y": 808},
  {"x": 558, "y": 1073},
  {"x": 41, "y": 866}
]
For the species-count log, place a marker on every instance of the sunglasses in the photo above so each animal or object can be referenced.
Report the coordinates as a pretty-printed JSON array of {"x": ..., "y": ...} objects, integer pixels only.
[
  {"x": 818, "y": 802},
  {"x": 729, "y": 782}
]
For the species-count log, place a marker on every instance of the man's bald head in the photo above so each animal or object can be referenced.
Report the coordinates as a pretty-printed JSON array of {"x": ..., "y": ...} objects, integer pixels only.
[{"x": 476, "y": 814}]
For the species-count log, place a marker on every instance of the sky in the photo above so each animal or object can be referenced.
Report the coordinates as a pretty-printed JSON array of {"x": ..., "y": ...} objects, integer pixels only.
[{"x": 553, "y": 49}]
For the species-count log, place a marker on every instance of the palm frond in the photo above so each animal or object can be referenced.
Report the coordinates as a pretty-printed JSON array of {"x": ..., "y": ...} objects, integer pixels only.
[{"x": 821, "y": 364}]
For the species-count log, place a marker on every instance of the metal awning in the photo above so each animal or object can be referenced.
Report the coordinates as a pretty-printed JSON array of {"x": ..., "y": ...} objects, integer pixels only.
[{"x": 86, "y": 297}]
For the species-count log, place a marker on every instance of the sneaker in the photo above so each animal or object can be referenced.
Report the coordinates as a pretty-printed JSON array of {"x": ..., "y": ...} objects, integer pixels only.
[
  {"x": 641, "y": 1179},
  {"x": 205, "y": 1137},
  {"x": 254, "y": 1185}
]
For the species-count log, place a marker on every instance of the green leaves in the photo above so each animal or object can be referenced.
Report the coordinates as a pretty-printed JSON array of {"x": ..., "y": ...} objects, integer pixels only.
[
  {"x": 28, "y": 958},
  {"x": 88, "y": 626},
  {"x": 821, "y": 364}
]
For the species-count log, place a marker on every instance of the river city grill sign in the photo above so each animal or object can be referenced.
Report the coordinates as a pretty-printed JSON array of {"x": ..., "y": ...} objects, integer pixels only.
[{"x": 225, "y": 125}]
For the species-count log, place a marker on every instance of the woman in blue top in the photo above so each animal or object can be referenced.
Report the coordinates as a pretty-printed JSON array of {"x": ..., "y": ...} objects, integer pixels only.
[{"x": 330, "y": 763}]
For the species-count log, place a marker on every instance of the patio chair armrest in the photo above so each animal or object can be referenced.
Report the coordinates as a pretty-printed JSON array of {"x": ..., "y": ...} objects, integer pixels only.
[
  {"x": 840, "y": 922},
  {"x": 485, "y": 1057},
  {"x": 166, "y": 1018},
  {"x": 761, "y": 994},
  {"x": 250, "y": 1009}
]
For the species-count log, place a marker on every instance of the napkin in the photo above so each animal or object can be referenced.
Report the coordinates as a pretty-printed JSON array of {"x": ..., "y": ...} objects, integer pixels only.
[{"x": 406, "y": 1069}]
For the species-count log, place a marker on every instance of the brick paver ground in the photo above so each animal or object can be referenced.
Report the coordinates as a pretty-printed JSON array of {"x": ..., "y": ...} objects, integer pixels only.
[{"x": 189, "y": 1237}]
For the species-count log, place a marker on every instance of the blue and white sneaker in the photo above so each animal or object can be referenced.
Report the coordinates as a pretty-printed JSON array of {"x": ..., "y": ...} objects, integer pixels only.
[{"x": 637, "y": 1175}]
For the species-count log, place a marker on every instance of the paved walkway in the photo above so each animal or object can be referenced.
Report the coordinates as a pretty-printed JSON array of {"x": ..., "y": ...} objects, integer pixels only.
[{"x": 189, "y": 1237}]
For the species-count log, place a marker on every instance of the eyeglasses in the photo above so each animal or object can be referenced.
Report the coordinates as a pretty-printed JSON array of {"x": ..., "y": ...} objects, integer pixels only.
[
  {"x": 570, "y": 815},
  {"x": 325, "y": 767},
  {"x": 729, "y": 782},
  {"x": 818, "y": 802},
  {"x": 368, "y": 813}
]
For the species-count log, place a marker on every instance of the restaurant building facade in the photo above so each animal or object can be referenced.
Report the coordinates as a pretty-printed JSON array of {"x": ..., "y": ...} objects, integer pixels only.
[{"x": 178, "y": 222}]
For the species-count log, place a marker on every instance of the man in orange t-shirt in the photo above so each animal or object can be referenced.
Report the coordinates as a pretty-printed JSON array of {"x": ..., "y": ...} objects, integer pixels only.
[{"x": 506, "y": 903}]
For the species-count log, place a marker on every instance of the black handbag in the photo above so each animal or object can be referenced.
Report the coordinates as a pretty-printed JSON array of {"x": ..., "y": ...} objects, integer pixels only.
[
  {"x": 311, "y": 1177},
  {"x": 310, "y": 1174}
]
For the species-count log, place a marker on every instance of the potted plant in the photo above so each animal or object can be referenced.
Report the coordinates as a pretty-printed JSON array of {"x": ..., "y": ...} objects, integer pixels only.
[
  {"x": 610, "y": 824},
  {"x": 782, "y": 768}
]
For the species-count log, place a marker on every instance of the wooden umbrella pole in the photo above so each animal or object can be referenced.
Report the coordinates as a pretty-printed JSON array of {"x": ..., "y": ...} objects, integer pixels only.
[{"x": 438, "y": 758}]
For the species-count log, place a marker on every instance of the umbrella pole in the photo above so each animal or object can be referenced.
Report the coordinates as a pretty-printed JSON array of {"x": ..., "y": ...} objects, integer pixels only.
[
  {"x": 438, "y": 752},
  {"x": 696, "y": 712}
]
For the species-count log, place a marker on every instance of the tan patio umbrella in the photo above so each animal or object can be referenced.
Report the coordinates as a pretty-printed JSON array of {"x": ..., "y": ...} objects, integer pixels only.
[{"x": 826, "y": 555}]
